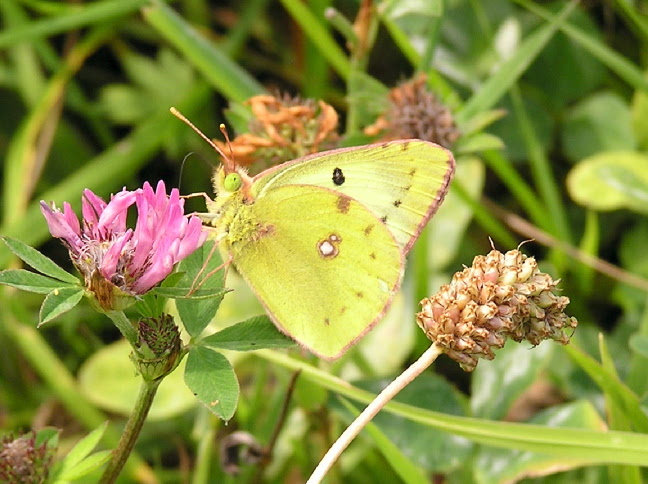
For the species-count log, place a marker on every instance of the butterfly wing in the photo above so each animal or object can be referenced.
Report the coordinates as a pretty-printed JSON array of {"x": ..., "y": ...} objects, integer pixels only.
[
  {"x": 325, "y": 268},
  {"x": 401, "y": 182}
]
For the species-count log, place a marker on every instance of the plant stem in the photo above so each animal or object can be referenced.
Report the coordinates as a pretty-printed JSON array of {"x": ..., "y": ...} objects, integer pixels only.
[
  {"x": 124, "y": 326},
  {"x": 390, "y": 391},
  {"x": 131, "y": 432}
]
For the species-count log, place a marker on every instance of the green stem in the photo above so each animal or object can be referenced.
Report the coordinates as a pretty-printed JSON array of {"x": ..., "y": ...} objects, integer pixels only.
[
  {"x": 124, "y": 326},
  {"x": 131, "y": 432}
]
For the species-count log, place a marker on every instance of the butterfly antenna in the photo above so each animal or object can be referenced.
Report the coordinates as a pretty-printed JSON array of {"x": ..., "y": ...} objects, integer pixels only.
[
  {"x": 223, "y": 129},
  {"x": 182, "y": 118}
]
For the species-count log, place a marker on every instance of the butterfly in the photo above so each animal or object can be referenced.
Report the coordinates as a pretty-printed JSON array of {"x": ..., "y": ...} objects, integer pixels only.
[{"x": 322, "y": 240}]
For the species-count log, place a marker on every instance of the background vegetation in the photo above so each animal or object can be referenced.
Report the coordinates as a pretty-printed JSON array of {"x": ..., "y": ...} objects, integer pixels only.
[{"x": 551, "y": 102}]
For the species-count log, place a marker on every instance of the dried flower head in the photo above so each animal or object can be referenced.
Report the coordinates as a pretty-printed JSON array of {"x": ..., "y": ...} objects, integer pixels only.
[
  {"x": 159, "y": 347},
  {"x": 282, "y": 129},
  {"x": 23, "y": 461},
  {"x": 415, "y": 112},
  {"x": 500, "y": 296},
  {"x": 118, "y": 262}
]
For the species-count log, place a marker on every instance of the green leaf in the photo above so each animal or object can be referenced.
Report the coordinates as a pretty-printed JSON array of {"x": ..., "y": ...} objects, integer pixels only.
[
  {"x": 197, "y": 314},
  {"x": 494, "y": 465},
  {"x": 188, "y": 293},
  {"x": 611, "y": 181},
  {"x": 601, "y": 122},
  {"x": 253, "y": 334},
  {"x": 80, "y": 451},
  {"x": 38, "y": 261},
  {"x": 108, "y": 379},
  {"x": 86, "y": 466},
  {"x": 478, "y": 142},
  {"x": 495, "y": 387},
  {"x": 59, "y": 301},
  {"x": 30, "y": 281},
  {"x": 211, "y": 378}
]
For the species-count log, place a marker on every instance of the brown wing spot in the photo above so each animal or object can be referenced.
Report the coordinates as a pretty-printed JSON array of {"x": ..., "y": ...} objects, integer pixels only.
[
  {"x": 404, "y": 146},
  {"x": 343, "y": 203},
  {"x": 407, "y": 188},
  {"x": 338, "y": 176},
  {"x": 329, "y": 247},
  {"x": 327, "y": 321},
  {"x": 397, "y": 203},
  {"x": 359, "y": 294},
  {"x": 368, "y": 229},
  {"x": 412, "y": 172},
  {"x": 373, "y": 255},
  {"x": 384, "y": 219},
  {"x": 343, "y": 310}
]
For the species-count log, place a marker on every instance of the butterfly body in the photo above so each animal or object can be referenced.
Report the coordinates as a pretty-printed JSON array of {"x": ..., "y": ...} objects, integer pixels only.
[{"x": 322, "y": 240}]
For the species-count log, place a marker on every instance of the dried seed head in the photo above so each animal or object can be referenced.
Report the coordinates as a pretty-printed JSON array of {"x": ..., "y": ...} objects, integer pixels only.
[
  {"x": 415, "y": 112},
  {"x": 284, "y": 128},
  {"x": 500, "y": 296}
]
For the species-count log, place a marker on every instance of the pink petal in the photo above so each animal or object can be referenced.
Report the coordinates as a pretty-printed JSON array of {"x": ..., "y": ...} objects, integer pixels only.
[
  {"x": 60, "y": 225},
  {"x": 113, "y": 255}
]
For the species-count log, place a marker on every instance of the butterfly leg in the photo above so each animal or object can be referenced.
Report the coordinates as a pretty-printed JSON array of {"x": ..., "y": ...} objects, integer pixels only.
[{"x": 198, "y": 280}]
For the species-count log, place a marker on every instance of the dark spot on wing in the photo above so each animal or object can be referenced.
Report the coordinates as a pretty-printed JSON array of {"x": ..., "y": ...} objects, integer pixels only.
[
  {"x": 407, "y": 188},
  {"x": 327, "y": 321},
  {"x": 343, "y": 204},
  {"x": 397, "y": 203},
  {"x": 373, "y": 255},
  {"x": 412, "y": 172},
  {"x": 404, "y": 146},
  {"x": 338, "y": 176},
  {"x": 384, "y": 219},
  {"x": 368, "y": 229},
  {"x": 343, "y": 310},
  {"x": 359, "y": 294}
]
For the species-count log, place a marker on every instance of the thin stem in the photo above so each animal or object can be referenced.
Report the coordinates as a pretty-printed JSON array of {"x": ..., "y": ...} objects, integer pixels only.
[
  {"x": 390, "y": 391},
  {"x": 131, "y": 432},
  {"x": 124, "y": 326}
]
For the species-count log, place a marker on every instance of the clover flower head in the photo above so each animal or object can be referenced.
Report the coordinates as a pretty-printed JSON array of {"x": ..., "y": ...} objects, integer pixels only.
[{"x": 120, "y": 262}]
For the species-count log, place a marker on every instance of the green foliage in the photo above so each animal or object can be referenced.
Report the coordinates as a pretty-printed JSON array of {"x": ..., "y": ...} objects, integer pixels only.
[{"x": 551, "y": 100}]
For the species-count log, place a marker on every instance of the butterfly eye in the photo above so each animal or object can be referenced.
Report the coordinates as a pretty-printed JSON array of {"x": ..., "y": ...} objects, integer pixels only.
[{"x": 232, "y": 182}]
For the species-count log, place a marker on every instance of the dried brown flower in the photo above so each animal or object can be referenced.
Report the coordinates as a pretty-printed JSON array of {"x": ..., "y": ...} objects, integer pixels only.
[
  {"x": 500, "y": 296},
  {"x": 282, "y": 129},
  {"x": 415, "y": 112}
]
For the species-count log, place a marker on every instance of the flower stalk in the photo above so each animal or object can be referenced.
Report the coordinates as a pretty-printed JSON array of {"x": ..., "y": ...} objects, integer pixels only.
[{"x": 133, "y": 428}]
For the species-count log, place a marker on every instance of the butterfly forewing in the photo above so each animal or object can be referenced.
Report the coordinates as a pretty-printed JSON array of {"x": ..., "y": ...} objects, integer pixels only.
[
  {"x": 401, "y": 182},
  {"x": 325, "y": 268}
]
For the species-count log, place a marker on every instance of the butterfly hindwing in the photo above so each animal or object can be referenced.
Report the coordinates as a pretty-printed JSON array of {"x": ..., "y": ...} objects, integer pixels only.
[
  {"x": 325, "y": 268},
  {"x": 401, "y": 182}
]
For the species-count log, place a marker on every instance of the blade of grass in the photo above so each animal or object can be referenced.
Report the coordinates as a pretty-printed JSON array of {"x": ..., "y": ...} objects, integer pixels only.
[
  {"x": 221, "y": 71},
  {"x": 30, "y": 80},
  {"x": 88, "y": 14},
  {"x": 320, "y": 35},
  {"x": 625, "y": 69},
  {"x": 510, "y": 71},
  {"x": 544, "y": 178},
  {"x": 26, "y": 153},
  {"x": 587, "y": 445}
]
